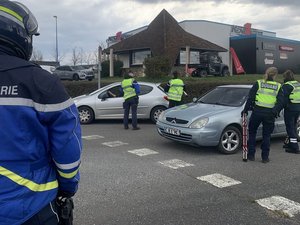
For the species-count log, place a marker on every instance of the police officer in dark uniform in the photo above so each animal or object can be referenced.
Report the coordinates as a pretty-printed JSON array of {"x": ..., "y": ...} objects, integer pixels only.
[
  {"x": 261, "y": 100},
  {"x": 39, "y": 128},
  {"x": 130, "y": 89},
  {"x": 289, "y": 100}
]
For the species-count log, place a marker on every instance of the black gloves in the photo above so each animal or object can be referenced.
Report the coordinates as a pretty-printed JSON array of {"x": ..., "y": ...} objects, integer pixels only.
[
  {"x": 64, "y": 194},
  {"x": 275, "y": 114},
  {"x": 244, "y": 111}
]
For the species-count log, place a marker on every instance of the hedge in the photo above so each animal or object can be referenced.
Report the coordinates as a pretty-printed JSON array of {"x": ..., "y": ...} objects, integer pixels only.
[{"x": 194, "y": 88}]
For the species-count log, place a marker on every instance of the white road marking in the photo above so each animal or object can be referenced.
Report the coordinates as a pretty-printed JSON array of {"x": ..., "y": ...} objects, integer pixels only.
[
  {"x": 114, "y": 143},
  {"x": 92, "y": 137},
  {"x": 175, "y": 163},
  {"x": 279, "y": 203},
  {"x": 143, "y": 152},
  {"x": 219, "y": 180}
]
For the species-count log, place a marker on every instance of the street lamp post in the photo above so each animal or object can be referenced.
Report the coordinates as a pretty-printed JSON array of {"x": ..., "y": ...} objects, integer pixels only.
[{"x": 56, "y": 42}]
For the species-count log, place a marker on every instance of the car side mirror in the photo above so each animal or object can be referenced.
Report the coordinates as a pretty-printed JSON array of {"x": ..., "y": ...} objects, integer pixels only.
[{"x": 104, "y": 97}]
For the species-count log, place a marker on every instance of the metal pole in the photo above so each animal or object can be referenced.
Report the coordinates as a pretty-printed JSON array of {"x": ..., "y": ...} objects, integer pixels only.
[
  {"x": 56, "y": 41},
  {"x": 99, "y": 65}
]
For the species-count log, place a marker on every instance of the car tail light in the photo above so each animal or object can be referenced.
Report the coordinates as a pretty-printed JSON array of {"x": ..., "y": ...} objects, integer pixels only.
[{"x": 166, "y": 97}]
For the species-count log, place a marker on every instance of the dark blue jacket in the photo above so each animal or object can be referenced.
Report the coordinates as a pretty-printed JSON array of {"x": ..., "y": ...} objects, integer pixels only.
[{"x": 40, "y": 140}]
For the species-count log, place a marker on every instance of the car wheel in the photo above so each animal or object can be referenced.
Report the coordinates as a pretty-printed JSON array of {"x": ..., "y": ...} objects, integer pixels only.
[
  {"x": 230, "y": 141},
  {"x": 75, "y": 77},
  {"x": 155, "y": 112},
  {"x": 86, "y": 115},
  {"x": 225, "y": 72},
  {"x": 203, "y": 73}
]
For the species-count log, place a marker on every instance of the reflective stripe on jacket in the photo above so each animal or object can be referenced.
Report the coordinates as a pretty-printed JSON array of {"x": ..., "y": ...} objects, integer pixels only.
[
  {"x": 128, "y": 89},
  {"x": 266, "y": 93},
  {"x": 176, "y": 89},
  {"x": 40, "y": 140},
  {"x": 295, "y": 94}
]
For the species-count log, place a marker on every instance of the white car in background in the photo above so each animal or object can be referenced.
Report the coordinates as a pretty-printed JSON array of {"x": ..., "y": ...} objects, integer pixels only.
[{"x": 107, "y": 103}]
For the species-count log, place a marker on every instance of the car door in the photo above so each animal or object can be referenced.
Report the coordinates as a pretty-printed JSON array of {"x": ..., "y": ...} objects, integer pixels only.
[
  {"x": 110, "y": 106},
  {"x": 145, "y": 101}
]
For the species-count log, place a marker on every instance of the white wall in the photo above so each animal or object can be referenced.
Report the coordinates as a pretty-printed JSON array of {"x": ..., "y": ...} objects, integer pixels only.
[{"x": 216, "y": 33}]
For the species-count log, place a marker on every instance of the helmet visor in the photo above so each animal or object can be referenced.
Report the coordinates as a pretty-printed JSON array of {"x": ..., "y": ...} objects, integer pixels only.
[{"x": 30, "y": 22}]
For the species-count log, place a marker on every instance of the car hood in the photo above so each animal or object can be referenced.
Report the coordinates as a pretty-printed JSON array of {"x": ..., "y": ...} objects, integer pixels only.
[
  {"x": 193, "y": 111},
  {"x": 79, "y": 97}
]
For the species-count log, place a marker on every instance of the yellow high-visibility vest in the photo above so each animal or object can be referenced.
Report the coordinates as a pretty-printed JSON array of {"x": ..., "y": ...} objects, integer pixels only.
[
  {"x": 128, "y": 89},
  {"x": 295, "y": 94},
  {"x": 176, "y": 89},
  {"x": 267, "y": 93}
]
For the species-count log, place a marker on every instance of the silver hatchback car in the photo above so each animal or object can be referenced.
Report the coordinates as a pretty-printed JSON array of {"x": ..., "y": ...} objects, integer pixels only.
[
  {"x": 212, "y": 120},
  {"x": 107, "y": 103}
]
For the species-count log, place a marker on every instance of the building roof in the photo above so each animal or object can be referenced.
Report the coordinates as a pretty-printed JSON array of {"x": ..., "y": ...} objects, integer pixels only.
[{"x": 164, "y": 37}]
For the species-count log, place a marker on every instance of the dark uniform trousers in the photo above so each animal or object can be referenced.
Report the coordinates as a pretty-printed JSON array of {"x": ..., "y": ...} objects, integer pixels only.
[
  {"x": 130, "y": 103},
  {"x": 290, "y": 120},
  {"x": 46, "y": 216},
  {"x": 268, "y": 127},
  {"x": 173, "y": 103}
]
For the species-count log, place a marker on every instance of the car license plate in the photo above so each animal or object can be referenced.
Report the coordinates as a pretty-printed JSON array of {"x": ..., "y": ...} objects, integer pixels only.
[{"x": 173, "y": 131}]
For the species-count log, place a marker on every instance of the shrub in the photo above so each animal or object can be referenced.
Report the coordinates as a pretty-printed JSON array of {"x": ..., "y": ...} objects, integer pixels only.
[{"x": 157, "y": 66}]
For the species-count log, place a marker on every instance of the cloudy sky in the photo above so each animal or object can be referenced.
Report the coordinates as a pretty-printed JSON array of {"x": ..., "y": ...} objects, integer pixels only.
[{"x": 85, "y": 24}]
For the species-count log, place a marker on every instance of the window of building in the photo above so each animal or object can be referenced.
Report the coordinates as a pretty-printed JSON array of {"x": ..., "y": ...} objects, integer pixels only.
[
  {"x": 194, "y": 57},
  {"x": 138, "y": 57}
]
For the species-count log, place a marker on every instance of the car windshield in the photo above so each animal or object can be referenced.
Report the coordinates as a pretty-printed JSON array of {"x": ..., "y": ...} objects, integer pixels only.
[{"x": 228, "y": 96}]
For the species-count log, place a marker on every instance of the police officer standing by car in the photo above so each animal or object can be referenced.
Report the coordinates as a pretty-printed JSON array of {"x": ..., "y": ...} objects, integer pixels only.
[
  {"x": 39, "y": 128},
  {"x": 175, "y": 88},
  {"x": 130, "y": 89},
  {"x": 289, "y": 100},
  {"x": 261, "y": 100}
]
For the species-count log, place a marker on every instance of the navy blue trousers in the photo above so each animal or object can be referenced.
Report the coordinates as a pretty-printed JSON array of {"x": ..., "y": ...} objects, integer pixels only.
[
  {"x": 290, "y": 120},
  {"x": 46, "y": 216},
  {"x": 132, "y": 104},
  {"x": 173, "y": 103},
  {"x": 267, "y": 122}
]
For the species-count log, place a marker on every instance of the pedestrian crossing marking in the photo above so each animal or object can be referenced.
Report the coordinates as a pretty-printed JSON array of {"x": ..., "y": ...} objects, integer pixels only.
[
  {"x": 219, "y": 180},
  {"x": 114, "y": 143},
  {"x": 175, "y": 163},
  {"x": 143, "y": 152},
  {"x": 92, "y": 137},
  {"x": 279, "y": 203}
]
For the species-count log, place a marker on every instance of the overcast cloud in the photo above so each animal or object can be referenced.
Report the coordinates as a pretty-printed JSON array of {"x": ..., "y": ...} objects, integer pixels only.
[{"x": 85, "y": 25}]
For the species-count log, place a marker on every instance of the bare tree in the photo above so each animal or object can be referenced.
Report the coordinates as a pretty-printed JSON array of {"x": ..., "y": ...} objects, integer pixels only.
[
  {"x": 36, "y": 55},
  {"x": 76, "y": 56}
]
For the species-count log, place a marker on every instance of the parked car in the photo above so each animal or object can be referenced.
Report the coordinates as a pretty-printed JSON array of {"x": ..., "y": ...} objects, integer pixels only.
[
  {"x": 107, "y": 103},
  {"x": 74, "y": 73},
  {"x": 212, "y": 120},
  {"x": 210, "y": 64}
]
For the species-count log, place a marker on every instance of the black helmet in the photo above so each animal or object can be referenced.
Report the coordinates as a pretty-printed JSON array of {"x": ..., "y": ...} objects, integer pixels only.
[{"x": 17, "y": 25}]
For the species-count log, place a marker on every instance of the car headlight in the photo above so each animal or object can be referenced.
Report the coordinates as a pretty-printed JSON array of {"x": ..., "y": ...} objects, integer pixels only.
[
  {"x": 199, "y": 123},
  {"x": 161, "y": 116}
]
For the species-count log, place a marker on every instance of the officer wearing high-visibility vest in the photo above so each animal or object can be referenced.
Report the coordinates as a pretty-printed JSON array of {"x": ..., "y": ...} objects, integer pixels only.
[
  {"x": 39, "y": 128},
  {"x": 289, "y": 100},
  {"x": 130, "y": 89},
  {"x": 261, "y": 100},
  {"x": 175, "y": 88}
]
